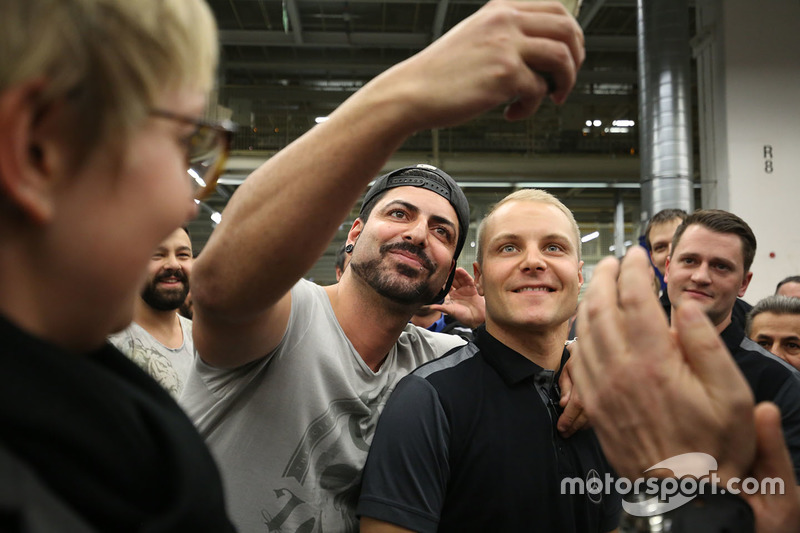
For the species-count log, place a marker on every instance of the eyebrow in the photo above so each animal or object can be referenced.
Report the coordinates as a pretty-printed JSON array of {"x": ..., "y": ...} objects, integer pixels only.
[
  {"x": 414, "y": 209},
  {"x": 710, "y": 259}
]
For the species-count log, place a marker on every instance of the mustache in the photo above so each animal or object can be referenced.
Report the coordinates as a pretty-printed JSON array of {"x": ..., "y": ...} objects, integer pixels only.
[
  {"x": 178, "y": 274},
  {"x": 416, "y": 251}
]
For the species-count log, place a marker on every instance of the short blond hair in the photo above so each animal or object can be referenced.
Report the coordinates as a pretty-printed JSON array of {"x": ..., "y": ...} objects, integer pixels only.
[
  {"x": 529, "y": 195},
  {"x": 110, "y": 59}
]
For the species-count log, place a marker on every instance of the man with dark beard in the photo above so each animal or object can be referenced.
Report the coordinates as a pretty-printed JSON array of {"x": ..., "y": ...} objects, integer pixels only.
[
  {"x": 291, "y": 428},
  {"x": 159, "y": 339}
]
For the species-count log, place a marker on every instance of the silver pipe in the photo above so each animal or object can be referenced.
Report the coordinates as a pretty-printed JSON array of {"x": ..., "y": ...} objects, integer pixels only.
[{"x": 665, "y": 114}]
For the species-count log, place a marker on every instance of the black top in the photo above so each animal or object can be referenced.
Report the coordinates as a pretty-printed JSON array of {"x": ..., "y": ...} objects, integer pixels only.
[
  {"x": 100, "y": 437},
  {"x": 468, "y": 443},
  {"x": 772, "y": 380}
]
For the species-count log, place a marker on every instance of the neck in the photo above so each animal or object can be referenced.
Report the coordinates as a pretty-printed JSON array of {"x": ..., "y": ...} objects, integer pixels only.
[
  {"x": 544, "y": 347},
  {"x": 718, "y": 326},
  {"x": 426, "y": 320},
  {"x": 40, "y": 300},
  {"x": 370, "y": 321},
  {"x": 165, "y": 326}
]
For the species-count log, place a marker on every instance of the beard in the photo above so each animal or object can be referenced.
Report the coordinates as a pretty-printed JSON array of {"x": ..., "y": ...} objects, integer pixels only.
[
  {"x": 400, "y": 283},
  {"x": 166, "y": 299}
]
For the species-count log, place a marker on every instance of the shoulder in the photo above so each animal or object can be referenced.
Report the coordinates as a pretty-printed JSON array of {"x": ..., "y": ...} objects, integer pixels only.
[
  {"x": 435, "y": 344},
  {"x": 447, "y": 362}
]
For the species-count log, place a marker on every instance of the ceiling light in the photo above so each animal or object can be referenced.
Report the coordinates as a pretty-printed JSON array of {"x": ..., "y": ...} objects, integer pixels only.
[{"x": 591, "y": 236}]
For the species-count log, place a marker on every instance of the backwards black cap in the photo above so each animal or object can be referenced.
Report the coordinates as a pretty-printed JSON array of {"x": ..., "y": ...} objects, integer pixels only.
[{"x": 433, "y": 179}]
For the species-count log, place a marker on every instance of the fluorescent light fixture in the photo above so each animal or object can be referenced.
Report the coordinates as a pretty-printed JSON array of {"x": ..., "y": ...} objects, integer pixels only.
[
  {"x": 196, "y": 177},
  {"x": 590, "y": 237},
  {"x": 624, "y": 123},
  {"x": 216, "y": 216},
  {"x": 597, "y": 123},
  {"x": 484, "y": 184},
  {"x": 320, "y": 120},
  {"x": 617, "y": 129}
]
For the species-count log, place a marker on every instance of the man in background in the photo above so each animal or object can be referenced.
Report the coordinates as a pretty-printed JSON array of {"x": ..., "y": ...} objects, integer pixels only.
[
  {"x": 159, "y": 339},
  {"x": 774, "y": 324},
  {"x": 712, "y": 253},
  {"x": 789, "y": 287},
  {"x": 658, "y": 236}
]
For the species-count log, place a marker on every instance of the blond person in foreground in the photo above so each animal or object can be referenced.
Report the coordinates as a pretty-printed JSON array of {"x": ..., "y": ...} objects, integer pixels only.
[{"x": 653, "y": 394}]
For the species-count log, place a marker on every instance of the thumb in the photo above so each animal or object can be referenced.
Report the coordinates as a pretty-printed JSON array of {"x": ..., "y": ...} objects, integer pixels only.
[
  {"x": 772, "y": 457},
  {"x": 705, "y": 352}
]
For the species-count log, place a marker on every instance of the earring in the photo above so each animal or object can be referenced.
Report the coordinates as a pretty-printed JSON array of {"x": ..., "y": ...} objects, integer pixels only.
[{"x": 348, "y": 249}]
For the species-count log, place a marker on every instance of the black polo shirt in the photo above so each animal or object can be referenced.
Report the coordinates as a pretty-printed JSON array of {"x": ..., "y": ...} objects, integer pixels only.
[
  {"x": 468, "y": 442},
  {"x": 772, "y": 380}
]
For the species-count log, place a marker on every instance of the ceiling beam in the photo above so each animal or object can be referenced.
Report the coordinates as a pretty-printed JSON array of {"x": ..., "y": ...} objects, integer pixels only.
[{"x": 417, "y": 41}]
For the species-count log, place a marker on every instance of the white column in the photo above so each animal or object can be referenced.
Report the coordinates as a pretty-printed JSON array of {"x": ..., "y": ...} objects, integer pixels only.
[{"x": 749, "y": 116}]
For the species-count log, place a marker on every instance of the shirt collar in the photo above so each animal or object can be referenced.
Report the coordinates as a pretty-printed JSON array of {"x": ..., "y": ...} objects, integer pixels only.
[
  {"x": 732, "y": 336},
  {"x": 512, "y": 366}
]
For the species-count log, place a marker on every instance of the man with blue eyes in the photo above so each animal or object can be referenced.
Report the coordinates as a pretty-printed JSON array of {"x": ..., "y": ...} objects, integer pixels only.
[
  {"x": 469, "y": 441},
  {"x": 160, "y": 340},
  {"x": 712, "y": 251}
]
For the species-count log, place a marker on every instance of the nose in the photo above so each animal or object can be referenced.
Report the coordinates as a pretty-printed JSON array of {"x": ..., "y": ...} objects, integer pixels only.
[
  {"x": 171, "y": 262},
  {"x": 776, "y": 349},
  {"x": 532, "y": 260},
  {"x": 417, "y": 232},
  {"x": 700, "y": 275}
]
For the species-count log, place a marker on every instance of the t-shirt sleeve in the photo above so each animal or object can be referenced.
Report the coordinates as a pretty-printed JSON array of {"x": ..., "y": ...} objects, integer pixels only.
[{"x": 405, "y": 477}]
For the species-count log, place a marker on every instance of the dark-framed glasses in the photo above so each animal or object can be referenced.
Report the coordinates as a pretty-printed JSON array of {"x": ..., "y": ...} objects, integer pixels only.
[{"x": 207, "y": 149}]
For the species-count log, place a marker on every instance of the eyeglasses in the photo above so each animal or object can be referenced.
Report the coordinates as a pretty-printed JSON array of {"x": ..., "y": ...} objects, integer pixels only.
[{"x": 207, "y": 149}]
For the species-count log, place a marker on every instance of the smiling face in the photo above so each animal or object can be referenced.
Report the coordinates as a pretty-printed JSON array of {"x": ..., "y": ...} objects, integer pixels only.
[
  {"x": 405, "y": 249},
  {"x": 168, "y": 273},
  {"x": 708, "y": 267},
  {"x": 530, "y": 274},
  {"x": 778, "y": 333}
]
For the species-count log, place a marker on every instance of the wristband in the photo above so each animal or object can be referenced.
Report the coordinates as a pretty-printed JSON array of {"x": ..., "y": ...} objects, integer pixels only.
[{"x": 707, "y": 513}]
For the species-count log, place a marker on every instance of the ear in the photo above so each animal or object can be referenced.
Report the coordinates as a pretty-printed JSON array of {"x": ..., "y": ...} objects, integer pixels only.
[
  {"x": 26, "y": 151},
  {"x": 666, "y": 270},
  {"x": 580, "y": 274},
  {"x": 745, "y": 283},
  {"x": 355, "y": 231},
  {"x": 476, "y": 269}
]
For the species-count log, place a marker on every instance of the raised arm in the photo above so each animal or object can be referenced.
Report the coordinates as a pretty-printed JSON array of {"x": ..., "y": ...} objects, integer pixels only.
[{"x": 281, "y": 219}]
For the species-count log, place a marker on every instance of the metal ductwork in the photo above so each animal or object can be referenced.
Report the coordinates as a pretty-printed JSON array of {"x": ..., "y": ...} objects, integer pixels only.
[{"x": 665, "y": 112}]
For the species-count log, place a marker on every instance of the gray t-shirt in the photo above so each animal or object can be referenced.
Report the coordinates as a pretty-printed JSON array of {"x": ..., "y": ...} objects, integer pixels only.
[
  {"x": 169, "y": 366},
  {"x": 291, "y": 431}
]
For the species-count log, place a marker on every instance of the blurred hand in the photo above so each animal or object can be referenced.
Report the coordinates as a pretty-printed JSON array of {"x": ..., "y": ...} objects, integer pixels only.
[{"x": 652, "y": 394}]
